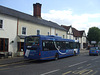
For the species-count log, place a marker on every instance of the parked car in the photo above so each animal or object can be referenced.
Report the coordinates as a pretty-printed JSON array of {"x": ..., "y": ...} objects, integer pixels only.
[{"x": 94, "y": 51}]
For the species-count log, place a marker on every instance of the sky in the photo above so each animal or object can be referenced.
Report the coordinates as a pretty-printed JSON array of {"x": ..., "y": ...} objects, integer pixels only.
[{"x": 80, "y": 14}]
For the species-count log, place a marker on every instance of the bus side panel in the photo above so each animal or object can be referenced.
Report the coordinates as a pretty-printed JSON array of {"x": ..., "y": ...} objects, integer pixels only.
[
  {"x": 78, "y": 51},
  {"x": 47, "y": 55},
  {"x": 65, "y": 53},
  {"x": 32, "y": 54}
]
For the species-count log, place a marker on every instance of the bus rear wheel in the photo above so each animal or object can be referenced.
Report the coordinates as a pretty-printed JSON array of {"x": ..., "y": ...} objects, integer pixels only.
[{"x": 56, "y": 57}]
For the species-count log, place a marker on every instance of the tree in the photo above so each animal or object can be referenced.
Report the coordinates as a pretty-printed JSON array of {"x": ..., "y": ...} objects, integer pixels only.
[{"x": 93, "y": 34}]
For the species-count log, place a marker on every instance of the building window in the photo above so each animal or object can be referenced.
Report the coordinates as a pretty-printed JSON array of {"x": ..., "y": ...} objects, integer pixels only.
[
  {"x": 24, "y": 30},
  {"x": 84, "y": 39},
  {"x": 48, "y": 33},
  {"x": 1, "y": 23},
  {"x": 56, "y": 34},
  {"x": 20, "y": 46},
  {"x": 75, "y": 38},
  {"x": 38, "y": 32},
  {"x": 63, "y": 36},
  {"x": 3, "y": 44}
]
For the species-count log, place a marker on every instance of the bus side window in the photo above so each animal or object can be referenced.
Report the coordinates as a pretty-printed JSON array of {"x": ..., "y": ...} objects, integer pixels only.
[
  {"x": 45, "y": 45},
  {"x": 48, "y": 45},
  {"x": 71, "y": 45},
  {"x": 99, "y": 48},
  {"x": 77, "y": 45},
  {"x": 58, "y": 44},
  {"x": 52, "y": 46},
  {"x": 67, "y": 45}
]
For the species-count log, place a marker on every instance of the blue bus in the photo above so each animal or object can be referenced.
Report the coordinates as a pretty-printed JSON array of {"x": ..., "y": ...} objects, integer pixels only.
[{"x": 42, "y": 47}]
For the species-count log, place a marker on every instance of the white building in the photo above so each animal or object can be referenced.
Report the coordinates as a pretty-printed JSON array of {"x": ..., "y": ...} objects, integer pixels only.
[
  {"x": 15, "y": 25},
  {"x": 74, "y": 34},
  {"x": 8, "y": 33}
]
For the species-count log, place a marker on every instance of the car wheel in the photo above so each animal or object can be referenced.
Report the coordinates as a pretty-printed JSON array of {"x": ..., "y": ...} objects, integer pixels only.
[{"x": 98, "y": 54}]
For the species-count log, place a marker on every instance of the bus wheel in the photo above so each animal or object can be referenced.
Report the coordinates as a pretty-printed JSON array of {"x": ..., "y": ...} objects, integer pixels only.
[
  {"x": 75, "y": 53},
  {"x": 90, "y": 55},
  {"x": 56, "y": 57}
]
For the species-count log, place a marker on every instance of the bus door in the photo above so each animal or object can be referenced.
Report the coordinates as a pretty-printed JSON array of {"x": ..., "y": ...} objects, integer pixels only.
[
  {"x": 70, "y": 47},
  {"x": 66, "y": 47}
]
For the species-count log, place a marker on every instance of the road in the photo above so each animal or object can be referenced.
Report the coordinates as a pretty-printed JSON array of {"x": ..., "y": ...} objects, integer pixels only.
[{"x": 82, "y": 64}]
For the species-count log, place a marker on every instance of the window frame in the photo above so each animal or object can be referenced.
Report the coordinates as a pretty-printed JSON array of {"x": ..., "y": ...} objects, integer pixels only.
[
  {"x": 64, "y": 45},
  {"x": 24, "y": 31},
  {"x": 50, "y": 47},
  {"x": 38, "y": 32},
  {"x": 1, "y": 24},
  {"x": 5, "y": 45},
  {"x": 20, "y": 46}
]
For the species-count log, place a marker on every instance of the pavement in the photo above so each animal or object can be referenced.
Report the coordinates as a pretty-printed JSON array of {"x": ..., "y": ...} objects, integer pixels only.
[
  {"x": 84, "y": 51},
  {"x": 20, "y": 59},
  {"x": 11, "y": 60}
]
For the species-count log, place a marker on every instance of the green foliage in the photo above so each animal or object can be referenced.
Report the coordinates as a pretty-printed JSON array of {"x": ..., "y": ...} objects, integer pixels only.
[{"x": 93, "y": 34}]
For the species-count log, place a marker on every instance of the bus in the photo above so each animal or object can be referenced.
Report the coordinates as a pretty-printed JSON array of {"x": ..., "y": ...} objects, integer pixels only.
[{"x": 42, "y": 47}]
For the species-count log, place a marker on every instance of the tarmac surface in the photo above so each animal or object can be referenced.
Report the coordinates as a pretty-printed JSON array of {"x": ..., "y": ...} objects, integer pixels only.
[{"x": 19, "y": 59}]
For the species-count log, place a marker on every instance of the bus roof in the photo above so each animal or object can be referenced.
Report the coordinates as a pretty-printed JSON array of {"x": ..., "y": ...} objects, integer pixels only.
[{"x": 52, "y": 37}]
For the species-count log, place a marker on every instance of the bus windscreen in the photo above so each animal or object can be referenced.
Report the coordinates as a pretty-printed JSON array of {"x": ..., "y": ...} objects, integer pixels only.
[{"x": 32, "y": 41}]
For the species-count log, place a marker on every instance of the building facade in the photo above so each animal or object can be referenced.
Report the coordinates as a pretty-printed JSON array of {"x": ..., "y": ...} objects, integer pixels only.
[
  {"x": 15, "y": 25},
  {"x": 8, "y": 36},
  {"x": 74, "y": 34}
]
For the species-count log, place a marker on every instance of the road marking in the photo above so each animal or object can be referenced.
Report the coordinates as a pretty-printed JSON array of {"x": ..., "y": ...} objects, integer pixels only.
[
  {"x": 82, "y": 72},
  {"x": 11, "y": 64},
  {"x": 95, "y": 58},
  {"x": 50, "y": 72},
  {"x": 66, "y": 72},
  {"x": 14, "y": 67},
  {"x": 19, "y": 66},
  {"x": 76, "y": 72},
  {"x": 77, "y": 64},
  {"x": 80, "y": 67},
  {"x": 15, "y": 63},
  {"x": 88, "y": 64},
  {"x": 94, "y": 73},
  {"x": 89, "y": 71},
  {"x": 97, "y": 61}
]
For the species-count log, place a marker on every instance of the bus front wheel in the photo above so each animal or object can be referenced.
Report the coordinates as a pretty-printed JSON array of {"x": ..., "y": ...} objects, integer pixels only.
[{"x": 75, "y": 53}]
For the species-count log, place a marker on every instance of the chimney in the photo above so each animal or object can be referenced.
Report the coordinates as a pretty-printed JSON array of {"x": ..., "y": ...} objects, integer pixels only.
[{"x": 37, "y": 10}]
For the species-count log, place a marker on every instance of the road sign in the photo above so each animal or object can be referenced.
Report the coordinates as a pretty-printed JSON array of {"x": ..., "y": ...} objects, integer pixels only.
[{"x": 93, "y": 42}]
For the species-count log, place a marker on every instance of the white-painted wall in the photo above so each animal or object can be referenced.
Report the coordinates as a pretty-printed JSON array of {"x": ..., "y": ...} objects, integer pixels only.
[
  {"x": 80, "y": 39},
  {"x": 52, "y": 31},
  {"x": 9, "y": 31},
  {"x": 32, "y": 29},
  {"x": 70, "y": 34}
]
